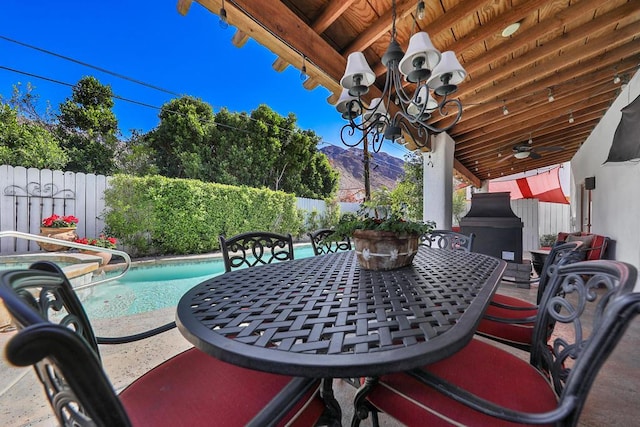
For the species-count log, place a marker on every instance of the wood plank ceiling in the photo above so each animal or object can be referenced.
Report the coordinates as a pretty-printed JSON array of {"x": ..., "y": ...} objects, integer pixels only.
[{"x": 580, "y": 52}]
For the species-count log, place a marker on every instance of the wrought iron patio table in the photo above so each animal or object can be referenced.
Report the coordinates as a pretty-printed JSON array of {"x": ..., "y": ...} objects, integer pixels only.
[{"x": 325, "y": 317}]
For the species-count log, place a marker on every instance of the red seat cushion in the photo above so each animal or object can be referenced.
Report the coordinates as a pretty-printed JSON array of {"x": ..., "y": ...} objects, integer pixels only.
[
  {"x": 195, "y": 389},
  {"x": 521, "y": 333},
  {"x": 479, "y": 368}
]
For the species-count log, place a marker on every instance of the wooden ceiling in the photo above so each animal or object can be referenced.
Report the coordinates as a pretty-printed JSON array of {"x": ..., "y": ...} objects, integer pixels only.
[{"x": 570, "y": 49}]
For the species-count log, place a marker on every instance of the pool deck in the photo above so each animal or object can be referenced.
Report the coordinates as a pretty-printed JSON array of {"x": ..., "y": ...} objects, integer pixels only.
[{"x": 612, "y": 401}]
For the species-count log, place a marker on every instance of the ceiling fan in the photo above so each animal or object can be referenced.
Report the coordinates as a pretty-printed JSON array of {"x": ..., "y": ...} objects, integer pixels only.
[{"x": 525, "y": 150}]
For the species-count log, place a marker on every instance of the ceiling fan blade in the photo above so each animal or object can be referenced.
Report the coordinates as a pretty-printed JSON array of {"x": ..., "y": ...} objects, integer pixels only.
[
  {"x": 503, "y": 158},
  {"x": 555, "y": 148},
  {"x": 534, "y": 155}
]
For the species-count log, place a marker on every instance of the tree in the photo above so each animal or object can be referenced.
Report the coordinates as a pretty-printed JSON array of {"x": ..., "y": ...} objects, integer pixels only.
[
  {"x": 459, "y": 205},
  {"x": 410, "y": 189},
  {"x": 25, "y": 101},
  {"x": 28, "y": 144},
  {"x": 88, "y": 127},
  {"x": 181, "y": 140},
  {"x": 135, "y": 157},
  {"x": 268, "y": 150},
  {"x": 263, "y": 149}
]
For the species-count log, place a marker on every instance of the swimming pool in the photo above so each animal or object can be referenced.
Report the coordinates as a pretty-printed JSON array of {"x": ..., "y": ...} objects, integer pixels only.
[{"x": 149, "y": 287}]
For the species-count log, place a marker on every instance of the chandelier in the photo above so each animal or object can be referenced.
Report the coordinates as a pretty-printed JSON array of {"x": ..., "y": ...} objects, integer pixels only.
[{"x": 435, "y": 76}]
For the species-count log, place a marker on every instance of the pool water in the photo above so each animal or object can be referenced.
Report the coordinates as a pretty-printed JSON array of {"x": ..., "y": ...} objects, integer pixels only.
[{"x": 148, "y": 288}]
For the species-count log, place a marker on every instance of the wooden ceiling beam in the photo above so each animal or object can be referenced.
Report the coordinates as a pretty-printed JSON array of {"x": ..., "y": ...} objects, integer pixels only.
[
  {"x": 521, "y": 39},
  {"x": 568, "y": 81},
  {"x": 571, "y": 55},
  {"x": 533, "y": 106},
  {"x": 521, "y": 128},
  {"x": 494, "y": 129},
  {"x": 330, "y": 14},
  {"x": 279, "y": 65},
  {"x": 490, "y": 154},
  {"x": 239, "y": 39},
  {"x": 551, "y": 137},
  {"x": 610, "y": 59},
  {"x": 466, "y": 153},
  {"x": 381, "y": 26},
  {"x": 466, "y": 173},
  {"x": 486, "y": 30}
]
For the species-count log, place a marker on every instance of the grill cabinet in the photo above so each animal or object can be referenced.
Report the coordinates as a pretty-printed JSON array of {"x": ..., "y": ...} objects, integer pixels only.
[{"x": 498, "y": 230}]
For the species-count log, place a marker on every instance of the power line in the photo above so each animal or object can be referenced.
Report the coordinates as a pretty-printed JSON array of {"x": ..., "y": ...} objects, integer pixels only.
[
  {"x": 115, "y": 74},
  {"x": 86, "y": 64}
]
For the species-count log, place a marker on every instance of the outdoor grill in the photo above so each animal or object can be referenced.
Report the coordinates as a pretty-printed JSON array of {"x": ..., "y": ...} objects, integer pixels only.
[{"x": 498, "y": 230}]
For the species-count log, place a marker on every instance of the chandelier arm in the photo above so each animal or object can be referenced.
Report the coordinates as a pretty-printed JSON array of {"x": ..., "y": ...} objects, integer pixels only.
[
  {"x": 403, "y": 97},
  {"x": 441, "y": 109},
  {"x": 376, "y": 142},
  {"x": 422, "y": 134},
  {"x": 350, "y": 130}
]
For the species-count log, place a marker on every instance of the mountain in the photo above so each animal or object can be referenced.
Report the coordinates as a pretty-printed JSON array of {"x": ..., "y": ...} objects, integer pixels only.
[{"x": 384, "y": 170}]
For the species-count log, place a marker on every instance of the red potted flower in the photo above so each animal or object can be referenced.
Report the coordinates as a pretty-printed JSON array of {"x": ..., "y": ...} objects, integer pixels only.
[{"x": 58, "y": 227}]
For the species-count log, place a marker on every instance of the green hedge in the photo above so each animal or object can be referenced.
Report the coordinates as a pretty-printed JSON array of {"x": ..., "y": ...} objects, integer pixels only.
[{"x": 158, "y": 215}]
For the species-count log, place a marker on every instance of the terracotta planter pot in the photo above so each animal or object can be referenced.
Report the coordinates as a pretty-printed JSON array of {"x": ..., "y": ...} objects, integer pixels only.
[
  {"x": 60, "y": 233},
  {"x": 384, "y": 250},
  {"x": 106, "y": 256}
]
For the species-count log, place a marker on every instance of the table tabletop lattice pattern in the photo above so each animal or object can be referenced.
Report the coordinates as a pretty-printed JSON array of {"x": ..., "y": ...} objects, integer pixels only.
[{"x": 328, "y": 305}]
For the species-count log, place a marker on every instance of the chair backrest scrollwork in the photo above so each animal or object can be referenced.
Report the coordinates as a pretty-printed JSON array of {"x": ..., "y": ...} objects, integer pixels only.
[
  {"x": 55, "y": 337},
  {"x": 255, "y": 248},
  {"x": 447, "y": 239},
  {"x": 322, "y": 244},
  {"x": 594, "y": 302}
]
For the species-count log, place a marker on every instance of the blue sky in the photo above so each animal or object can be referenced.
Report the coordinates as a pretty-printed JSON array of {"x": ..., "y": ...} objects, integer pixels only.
[{"x": 150, "y": 41}]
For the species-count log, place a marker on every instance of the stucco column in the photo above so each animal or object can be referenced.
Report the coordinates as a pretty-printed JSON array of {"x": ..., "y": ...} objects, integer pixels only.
[{"x": 438, "y": 181}]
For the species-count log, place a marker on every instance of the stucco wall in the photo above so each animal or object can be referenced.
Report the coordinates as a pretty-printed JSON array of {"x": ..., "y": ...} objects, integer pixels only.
[{"x": 616, "y": 198}]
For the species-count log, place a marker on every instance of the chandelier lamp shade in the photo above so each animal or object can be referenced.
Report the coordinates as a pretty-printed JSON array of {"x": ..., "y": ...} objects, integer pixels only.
[{"x": 431, "y": 77}]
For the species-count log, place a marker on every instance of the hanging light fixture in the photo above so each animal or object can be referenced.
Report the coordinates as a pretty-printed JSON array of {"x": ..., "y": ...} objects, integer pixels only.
[
  {"x": 435, "y": 75},
  {"x": 224, "y": 24}
]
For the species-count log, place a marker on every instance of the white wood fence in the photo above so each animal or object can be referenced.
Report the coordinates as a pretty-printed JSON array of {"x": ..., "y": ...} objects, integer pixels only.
[{"x": 28, "y": 195}]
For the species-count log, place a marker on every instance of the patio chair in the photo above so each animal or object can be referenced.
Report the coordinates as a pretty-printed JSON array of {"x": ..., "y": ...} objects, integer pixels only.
[
  {"x": 483, "y": 385},
  {"x": 321, "y": 245},
  {"x": 447, "y": 239},
  {"x": 195, "y": 389},
  {"x": 255, "y": 248},
  {"x": 510, "y": 320}
]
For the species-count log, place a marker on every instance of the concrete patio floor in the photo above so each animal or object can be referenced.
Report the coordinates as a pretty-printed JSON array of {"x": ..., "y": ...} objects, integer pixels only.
[{"x": 612, "y": 401}]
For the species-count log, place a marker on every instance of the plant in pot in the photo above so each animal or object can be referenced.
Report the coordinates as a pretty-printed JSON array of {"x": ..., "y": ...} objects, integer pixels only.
[
  {"x": 383, "y": 237},
  {"x": 58, "y": 227},
  {"x": 101, "y": 241}
]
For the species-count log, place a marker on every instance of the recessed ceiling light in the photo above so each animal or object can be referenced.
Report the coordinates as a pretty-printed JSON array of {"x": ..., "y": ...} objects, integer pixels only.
[{"x": 510, "y": 29}]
